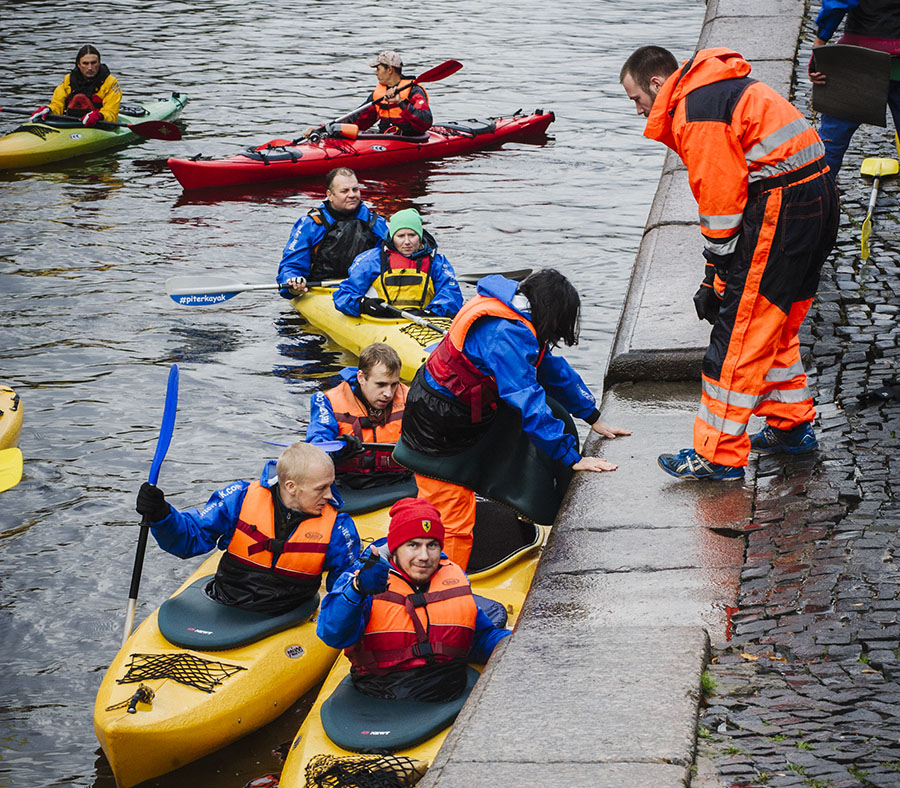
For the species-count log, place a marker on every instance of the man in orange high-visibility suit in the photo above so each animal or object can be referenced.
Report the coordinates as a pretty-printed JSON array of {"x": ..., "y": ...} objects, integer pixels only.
[{"x": 769, "y": 216}]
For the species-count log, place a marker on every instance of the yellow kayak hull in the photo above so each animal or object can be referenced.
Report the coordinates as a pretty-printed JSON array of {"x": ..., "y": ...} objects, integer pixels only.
[
  {"x": 11, "y": 415},
  {"x": 33, "y": 144},
  {"x": 182, "y": 723},
  {"x": 412, "y": 342},
  {"x": 507, "y": 583}
]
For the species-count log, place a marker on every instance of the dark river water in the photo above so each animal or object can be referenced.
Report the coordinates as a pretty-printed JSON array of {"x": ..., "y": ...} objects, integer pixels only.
[{"x": 85, "y": 247}]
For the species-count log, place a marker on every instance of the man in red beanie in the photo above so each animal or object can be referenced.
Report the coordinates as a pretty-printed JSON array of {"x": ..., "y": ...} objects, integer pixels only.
[{"x": 406, "y": 616}]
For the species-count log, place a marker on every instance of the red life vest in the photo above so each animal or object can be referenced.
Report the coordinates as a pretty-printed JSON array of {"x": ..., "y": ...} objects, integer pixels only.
[
  {"x": 407, "y": 630},
  {"x": 392, "y": 112},
  {"x": 452, "y": 368},
  {"x": 353, "y": 418},
  {"x": 302, "y": 554}
]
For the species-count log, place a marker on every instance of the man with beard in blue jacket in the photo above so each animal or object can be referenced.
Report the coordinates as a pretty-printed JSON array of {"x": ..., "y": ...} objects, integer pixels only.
[{"x": 406, "y": 271}]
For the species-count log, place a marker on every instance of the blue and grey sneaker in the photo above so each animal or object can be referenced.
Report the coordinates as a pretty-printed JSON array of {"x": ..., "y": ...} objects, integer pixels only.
[
  {"x": 687, "y": 464},
  {"x": 771, "y": 440}
]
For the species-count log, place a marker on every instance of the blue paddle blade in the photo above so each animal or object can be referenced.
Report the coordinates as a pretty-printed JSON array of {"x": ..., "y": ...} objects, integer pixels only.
[
  {"x": 168, "y": 425},
  {"x": 202, "y": 299}
]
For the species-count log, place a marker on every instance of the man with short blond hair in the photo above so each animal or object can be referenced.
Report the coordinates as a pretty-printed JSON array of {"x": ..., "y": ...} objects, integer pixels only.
[{"x": 271, "y": 564}]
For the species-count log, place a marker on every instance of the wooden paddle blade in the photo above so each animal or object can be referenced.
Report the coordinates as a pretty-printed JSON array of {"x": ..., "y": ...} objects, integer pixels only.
[
  {"x": 441, "y": 71},
  {"x": 878, "y": 168},
  {"x": 156, "y": 130},
  {"x": 866, "y": 232},
  {"x": 10, "y": 468}
]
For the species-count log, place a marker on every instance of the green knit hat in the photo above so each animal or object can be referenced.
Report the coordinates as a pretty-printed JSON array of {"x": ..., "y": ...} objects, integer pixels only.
[{"x": 407, "y": 219}]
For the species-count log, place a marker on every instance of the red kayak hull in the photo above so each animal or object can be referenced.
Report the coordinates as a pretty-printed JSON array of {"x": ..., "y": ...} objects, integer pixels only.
[{"x": 277, "y": 162}]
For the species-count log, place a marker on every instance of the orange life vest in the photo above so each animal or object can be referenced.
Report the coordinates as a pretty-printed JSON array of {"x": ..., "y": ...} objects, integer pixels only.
[
  {"x": 302, "y": 554},
  {"x": 407, "y": 630},
  {"x": 392, "y": 112},
  {"x": 452, "y": 368},
  {"x": 353, "y": 418}
]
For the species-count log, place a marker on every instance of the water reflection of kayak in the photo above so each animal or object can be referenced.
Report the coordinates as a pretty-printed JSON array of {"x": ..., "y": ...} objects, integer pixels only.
[
  {"x": 197, "y": 674},
  {"x": 413, "y": 342},
  {"x": 284, "y": 159},
  {"x": 402, "y": 737},
  {"x": 40, "y": 143},
  {"x": 11, "y": 414}
]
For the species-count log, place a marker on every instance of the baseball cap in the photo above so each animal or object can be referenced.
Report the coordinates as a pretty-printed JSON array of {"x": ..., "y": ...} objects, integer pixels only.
[{"x": 387, "y": 58}]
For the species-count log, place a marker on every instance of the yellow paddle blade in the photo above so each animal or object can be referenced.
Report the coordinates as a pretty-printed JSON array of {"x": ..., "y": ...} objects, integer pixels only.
[
  {"x": 10, "y": 468},
  {"x": 897, "y": 144},
  {"x": 878, "y": 168},
  {"x": 866, "y": 232}
]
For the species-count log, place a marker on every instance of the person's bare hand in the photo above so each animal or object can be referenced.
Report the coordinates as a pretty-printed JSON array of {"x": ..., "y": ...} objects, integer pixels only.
[
  {"x": 297, "y": 285},
  {"x": 594, "y": 464},
  {"x": 607, "y": 430}
]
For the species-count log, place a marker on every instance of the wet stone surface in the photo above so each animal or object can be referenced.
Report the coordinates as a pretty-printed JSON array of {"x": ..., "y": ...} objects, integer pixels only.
[{"x": 807, "y": 693}]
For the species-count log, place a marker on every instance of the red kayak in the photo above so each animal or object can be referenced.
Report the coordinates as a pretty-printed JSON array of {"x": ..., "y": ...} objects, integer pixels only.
[{"x": 282, "y": 159}]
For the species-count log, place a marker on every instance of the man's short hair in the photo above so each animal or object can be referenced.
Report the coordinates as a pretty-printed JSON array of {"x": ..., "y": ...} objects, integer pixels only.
[
  {"x": 299, "y": 458},
  {"x": 379, "y": 353},
  {"x": 332, "y": 174},
  {"x": 646, "y": 62}
]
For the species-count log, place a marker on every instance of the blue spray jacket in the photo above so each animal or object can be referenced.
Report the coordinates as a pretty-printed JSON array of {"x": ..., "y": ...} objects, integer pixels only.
[
  {"x": 306, "y": 233},
  {"x": 194, "y": 532},
  {"x": 508, "y": 352},
  {"x": 367, "y": 266},
  {"x": 345, "y": 614}
]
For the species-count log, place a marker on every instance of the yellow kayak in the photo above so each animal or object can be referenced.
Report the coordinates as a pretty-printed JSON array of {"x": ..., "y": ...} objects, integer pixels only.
[
  {"x": 11, "y": 414},
  {"x": 32, "y": 144},
  {"x": 506, "y": 580},
  {"x": 163, "y": 704},
  {"x": 413, "y": 342}
]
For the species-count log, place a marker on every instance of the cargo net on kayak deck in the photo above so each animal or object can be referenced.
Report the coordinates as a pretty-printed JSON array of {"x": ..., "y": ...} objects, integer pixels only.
[
  {"x": 196, "y": 672},
  {"x": 426, "y": 336},
  {"x": 363, "y": 771}
]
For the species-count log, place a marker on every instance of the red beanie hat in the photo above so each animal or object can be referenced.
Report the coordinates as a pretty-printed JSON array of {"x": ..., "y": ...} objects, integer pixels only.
[{"x": 414, "y": 518}]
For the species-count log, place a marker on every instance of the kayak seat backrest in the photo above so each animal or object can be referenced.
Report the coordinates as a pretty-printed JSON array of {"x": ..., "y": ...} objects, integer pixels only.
[
  {"x": 268, "y": 155},
  {"x": 472, "y": 126},
  {"x": 361, "y": 501},
  {"x": 194, "y": 620},
  {"x": 360, "y": 723},
  {"x": 498, "y": 534}
]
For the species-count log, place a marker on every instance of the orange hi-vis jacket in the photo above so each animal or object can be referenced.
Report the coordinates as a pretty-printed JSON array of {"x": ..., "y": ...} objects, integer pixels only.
[
  {"x": 254, "y": 543},
  {"x": 451, "y": 368},
  {"x": 353, "y": 418},
  {"x": 392, "y": 112},
  {"x": 730, "y": 131},
  {"x": 407, "y": 630}
]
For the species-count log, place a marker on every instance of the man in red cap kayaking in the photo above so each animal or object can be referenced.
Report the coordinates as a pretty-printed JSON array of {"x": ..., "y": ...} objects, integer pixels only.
[
  {"x": 323, "y": 244},
  {"x": 396, "y": 104},
  {"x": 406, "y": 615},
  {"x": 405, "y": 271},
  {"x": 280, "y": 533},
  {"x": 768, "y": 217},
  {"x": 365, "y": 407}
]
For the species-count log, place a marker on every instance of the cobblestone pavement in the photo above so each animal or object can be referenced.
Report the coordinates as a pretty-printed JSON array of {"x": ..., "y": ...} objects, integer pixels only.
[{"x": 807, "y": 692}]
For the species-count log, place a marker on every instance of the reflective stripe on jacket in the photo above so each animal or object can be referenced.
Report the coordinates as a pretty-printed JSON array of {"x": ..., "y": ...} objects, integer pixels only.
[
  {"x": 730, "y": 131},
  {"x": 406, "y": 630},
  {"x": 449, "y": 366},
  {"x": 403, "y": 282},
  {"x": 254, "y": 542}
]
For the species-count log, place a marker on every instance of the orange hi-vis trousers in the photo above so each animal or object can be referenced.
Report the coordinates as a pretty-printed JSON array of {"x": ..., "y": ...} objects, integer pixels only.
[
  {"x": 457, "y": 507},
  {"x": 752, "y": 364}
]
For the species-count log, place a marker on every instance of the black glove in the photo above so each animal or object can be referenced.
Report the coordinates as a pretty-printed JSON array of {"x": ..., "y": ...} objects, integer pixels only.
[
  {"x": 352, "y": 447},
  {"x": 706, "y": 300},
  {"x": 151, "y": 502},
  {"x": 375, "y": 307},
  {"x": 372, "y": 578}
]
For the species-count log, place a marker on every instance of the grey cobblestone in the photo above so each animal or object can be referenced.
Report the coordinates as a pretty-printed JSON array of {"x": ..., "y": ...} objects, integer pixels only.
[{"x": 806, "y": 690}]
